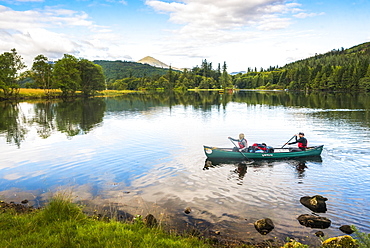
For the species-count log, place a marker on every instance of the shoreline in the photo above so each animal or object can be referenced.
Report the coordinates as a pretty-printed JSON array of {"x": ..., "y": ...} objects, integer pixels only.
[{"x": 173, "y": 221}]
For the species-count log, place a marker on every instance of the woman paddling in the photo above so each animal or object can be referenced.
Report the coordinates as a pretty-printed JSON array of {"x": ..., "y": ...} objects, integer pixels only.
[{"x": 242, "y": 143}]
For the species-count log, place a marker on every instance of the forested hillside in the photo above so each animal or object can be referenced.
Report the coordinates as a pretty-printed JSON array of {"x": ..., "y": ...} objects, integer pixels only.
[
  {"x": 337, "y": 70},
  {"x": 342, "y": 69},
  {"x": 114, "y": 70}
]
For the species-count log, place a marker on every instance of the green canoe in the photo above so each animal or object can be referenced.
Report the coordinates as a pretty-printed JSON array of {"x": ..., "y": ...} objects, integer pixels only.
[{"x": 229, "y": 154}]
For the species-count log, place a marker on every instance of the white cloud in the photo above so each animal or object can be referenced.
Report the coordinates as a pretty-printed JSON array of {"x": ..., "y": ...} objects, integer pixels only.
[
  {"x": 220, "y": 14},
  {"x": 54, "y": 32},
  {"x": 232, "y": 31},
  {"x": 305, "y": 15}
]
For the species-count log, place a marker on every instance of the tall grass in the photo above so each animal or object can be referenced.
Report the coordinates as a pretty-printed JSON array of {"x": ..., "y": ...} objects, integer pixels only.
[{"x": 63, "y": 224}]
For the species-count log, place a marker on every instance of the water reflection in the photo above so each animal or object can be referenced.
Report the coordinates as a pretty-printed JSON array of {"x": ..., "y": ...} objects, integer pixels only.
[
  {"x": 76, "y": 117},
  {"x": 206, "y": 100},
  {"x": 12, "y": 123},
  {"x": 69, "y": 117},
  {"x": 150, "y": 145}
]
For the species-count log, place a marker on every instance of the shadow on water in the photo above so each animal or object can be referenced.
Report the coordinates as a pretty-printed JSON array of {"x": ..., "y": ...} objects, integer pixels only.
[{"x": 241, "y": 167}]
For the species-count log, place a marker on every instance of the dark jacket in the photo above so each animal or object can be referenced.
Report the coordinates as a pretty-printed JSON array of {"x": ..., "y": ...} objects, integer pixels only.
[{"x": 302, "y": 142}]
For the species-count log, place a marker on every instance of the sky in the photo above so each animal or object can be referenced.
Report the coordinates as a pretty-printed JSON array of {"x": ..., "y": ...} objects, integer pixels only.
[{"x": 183, "y": 33}]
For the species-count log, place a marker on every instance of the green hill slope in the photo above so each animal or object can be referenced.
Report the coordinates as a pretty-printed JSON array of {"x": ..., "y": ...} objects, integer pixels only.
[
  {"x": 114, "y": 70},
  {"x": 340, "y": 57},
  {"x": 337, "y": 70}
]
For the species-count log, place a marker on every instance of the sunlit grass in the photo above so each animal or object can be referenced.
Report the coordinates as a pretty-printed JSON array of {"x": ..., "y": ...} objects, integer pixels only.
[
  {"x": 114, "y": 92},
  {"x": 63, "y": 224},
  {"x": 38, "y": 93}
]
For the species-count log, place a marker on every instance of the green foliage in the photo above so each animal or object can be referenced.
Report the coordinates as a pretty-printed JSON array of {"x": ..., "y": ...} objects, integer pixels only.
[
  {"x": 294, "y": 244},
  {"x": 114, "y": 70},
  {"x": 134, "y": 76},
  {"x": 363, "y": 239},
  {"x": 67, "y": 76},
  {"x": 337, "y": 70},
  {"x": 340, "y": 242},
  {"x": 41, "y": 73},
  {"x": 10, "y": 65},
  {"x": 92, "y": 77},
  {"x": 62, "y": 224}
]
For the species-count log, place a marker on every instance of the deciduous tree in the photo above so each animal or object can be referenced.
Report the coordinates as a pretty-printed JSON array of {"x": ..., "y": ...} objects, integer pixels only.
[{"x": 10, "y": 66}]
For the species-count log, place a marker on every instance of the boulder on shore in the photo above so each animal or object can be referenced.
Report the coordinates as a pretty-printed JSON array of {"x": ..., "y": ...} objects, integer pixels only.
[
  {"x": 314, "y": 221},
  {"x": 264, "y": 226},
  {"x": 315, "y": 203}
]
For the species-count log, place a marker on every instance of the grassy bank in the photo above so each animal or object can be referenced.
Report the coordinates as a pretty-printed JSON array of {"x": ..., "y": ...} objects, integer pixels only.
[
  {"x": 56, "y": 93},
  {"x": 63, "y": 224}
]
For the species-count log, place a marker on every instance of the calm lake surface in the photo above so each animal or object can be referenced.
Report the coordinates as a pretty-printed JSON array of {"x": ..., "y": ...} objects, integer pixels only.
[{"x": 148, "y": 149}]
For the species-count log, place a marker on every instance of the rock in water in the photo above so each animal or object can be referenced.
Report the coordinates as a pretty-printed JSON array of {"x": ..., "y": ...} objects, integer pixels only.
[
  {"x": 346, "y": 229},
  {"x": 187, "y": 210},
  {"x": 264, "y": 226},
  {"x": 314, "y": 221},
  {"x": 315, "y": 203}
]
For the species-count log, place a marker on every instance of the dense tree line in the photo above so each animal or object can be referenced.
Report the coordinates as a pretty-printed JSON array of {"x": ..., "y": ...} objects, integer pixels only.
[
  {"x": 68, "y": 74},
  {"x": 203, "y": 77},
  {"x": 114, "y": 70},
  {"x": 337, "y": 70}
]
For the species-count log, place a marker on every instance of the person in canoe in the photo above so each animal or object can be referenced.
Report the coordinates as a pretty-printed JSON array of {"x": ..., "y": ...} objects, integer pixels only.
[
  {"x": 302, "y": 142},
  {"x": 242, "y": 143}
]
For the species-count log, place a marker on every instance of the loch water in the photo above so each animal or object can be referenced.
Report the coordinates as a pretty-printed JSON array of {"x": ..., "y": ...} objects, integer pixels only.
[{"x": 148, "y": 148}]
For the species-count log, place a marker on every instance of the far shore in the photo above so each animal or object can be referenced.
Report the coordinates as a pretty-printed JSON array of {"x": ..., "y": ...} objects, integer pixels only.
[{"x": 40, "y": 94}]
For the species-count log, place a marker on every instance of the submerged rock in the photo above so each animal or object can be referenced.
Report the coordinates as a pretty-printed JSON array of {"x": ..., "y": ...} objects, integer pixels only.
[
  {"x": 319, "y": 234},
  {"x": 346, "y": 229},
  {"x": 264, "y": 226},
  {"x": 314, "y": 221},
  {"x": 315, "y": 203},
  {"x": 187, "y": 210}
]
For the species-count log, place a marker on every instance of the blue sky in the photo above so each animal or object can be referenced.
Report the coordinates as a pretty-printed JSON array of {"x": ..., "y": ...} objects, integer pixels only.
[{"x": 244, "y": 33}]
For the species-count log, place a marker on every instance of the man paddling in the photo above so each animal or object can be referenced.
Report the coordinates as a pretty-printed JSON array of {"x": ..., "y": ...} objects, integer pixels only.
[
  {"x": 302, "y": 141},
  {"x": 242, "y": 142}
]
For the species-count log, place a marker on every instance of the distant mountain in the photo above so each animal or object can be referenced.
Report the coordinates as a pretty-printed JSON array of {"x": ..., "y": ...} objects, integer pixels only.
[
  {"x": 153, "y": 62},
  {"x": 156, "y": 63}
]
